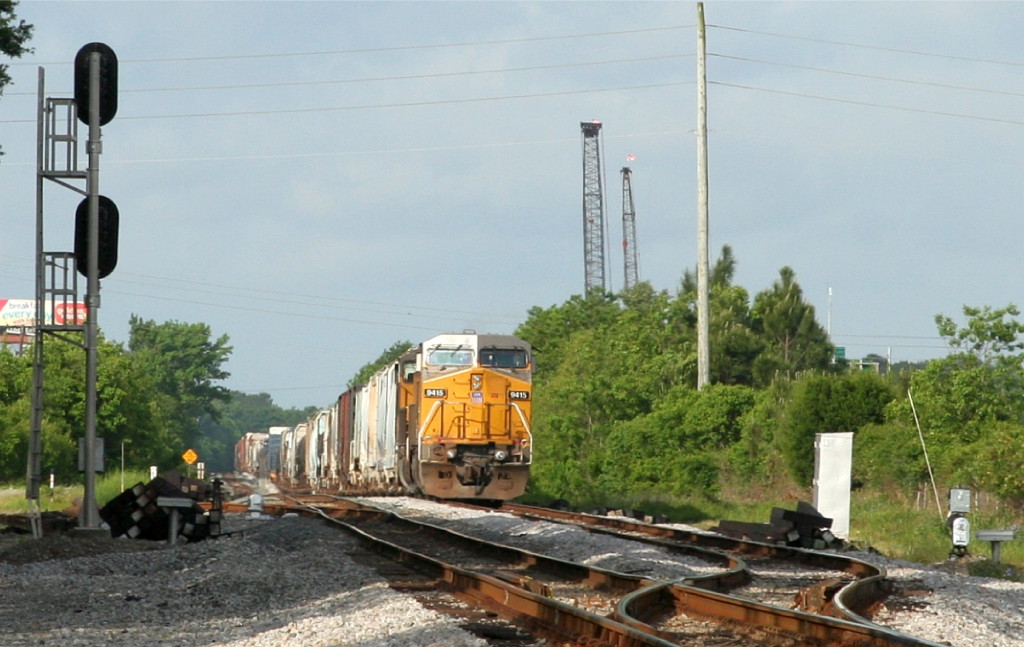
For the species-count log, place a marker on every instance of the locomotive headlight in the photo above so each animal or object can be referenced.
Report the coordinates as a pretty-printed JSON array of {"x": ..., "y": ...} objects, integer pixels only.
[
  {"x": 477, "y": 381},
  {"x": 500, "y": 456},
  {"x": 452, "y": 454}
]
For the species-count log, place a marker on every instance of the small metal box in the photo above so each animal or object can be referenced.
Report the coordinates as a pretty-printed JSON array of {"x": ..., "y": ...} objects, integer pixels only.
[{"x": 959, "y": 500}]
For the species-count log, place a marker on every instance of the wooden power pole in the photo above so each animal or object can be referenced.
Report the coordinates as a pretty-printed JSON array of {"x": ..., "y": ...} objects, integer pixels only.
[{"x": 703, "y": 326}]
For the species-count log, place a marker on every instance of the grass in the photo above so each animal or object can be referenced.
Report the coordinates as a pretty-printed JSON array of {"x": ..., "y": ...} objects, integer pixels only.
[
  {"x": 899, "y": 529},
  {"x": 892, "y": 524},
  {"x": 63, "y": 497}
]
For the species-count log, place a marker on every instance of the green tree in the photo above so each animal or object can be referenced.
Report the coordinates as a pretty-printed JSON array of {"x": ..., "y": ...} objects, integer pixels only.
[
  {"x": 955, "y": 397},
  {"x": 14, "y": 34},
  {"x": 612, "y": 370},
  {"x": 149, "y": 399},
  {"x": 997, "y": 464},
  {"x": 970, "y": 398},
  {"x": 125, "y": 411},
  {"x": 825, "y": 404},
  {"x": 571, "y": 418},
  {"x": 124, "y": 398},
  {"x": 127, "y": 416},
  {"x": 243, "y": 413},
  {"x": 14, "y": 423},
  {"x": 990, "y": 335},
  {"x": 676, "y": 448},
  {"x": 889, "y": 455},
  {"x": 15, "y": 376},
  {"x": 185, "y": 363},
  {"x": 364, "y": 374},
  {"x": 549, "y": 329},
  {"x": 734, "y": 345},
  {"x": 756, "y": 456},
  {"x": 794, "y": 340}
]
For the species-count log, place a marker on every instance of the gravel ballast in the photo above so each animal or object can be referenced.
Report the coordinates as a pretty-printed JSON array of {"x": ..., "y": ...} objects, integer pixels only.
[
  {"x": 278, "y": 582},
  {"x": 944, "y": 607},
  {"x": 291, "y": 581}
]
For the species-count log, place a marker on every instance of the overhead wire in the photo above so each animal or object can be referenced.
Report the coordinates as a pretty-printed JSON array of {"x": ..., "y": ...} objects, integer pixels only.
[
  {"x": 522, "y": 96},
  {"x": 874, "y": 77},
  {"x": 871, "y": 104},
  {"x": 377, "y": 106},
  {"x": 403, "y": 77},
  {"x": 263, "y": 294},
  {"x": 722, "y": 83},
  {"x": 894, "y": 50},
  {"x": 394, "y": 48}
]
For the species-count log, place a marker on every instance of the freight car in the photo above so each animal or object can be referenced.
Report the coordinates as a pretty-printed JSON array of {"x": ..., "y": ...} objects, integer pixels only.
[
  {"x": 251, "y": 454},
  {"x": 274, "y": 451},
  {"x": 450, "y": 418}
]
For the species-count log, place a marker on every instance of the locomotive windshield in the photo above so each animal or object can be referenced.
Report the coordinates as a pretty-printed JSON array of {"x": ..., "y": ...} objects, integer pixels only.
[
  {"x": 503, "y": 357},
  {"x": 450, "y": 357}
]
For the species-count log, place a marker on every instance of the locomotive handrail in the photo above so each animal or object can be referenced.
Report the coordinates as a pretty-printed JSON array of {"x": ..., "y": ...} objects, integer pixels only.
[
  {"x": 438, "y": 404},
  {"x": 423, "y": 428},
  {"x": 526, "y": 427},
  {"x": 421, "y": 434}
]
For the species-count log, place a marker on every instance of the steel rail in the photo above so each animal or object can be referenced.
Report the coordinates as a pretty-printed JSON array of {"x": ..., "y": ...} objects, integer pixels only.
[
  {"x": 699, "y": 596},
  {"x": 540, "y": 614},
  {"x": 646, "y": 609}
]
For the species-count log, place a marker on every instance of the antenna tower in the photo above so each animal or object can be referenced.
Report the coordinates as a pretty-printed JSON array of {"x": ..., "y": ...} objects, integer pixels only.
[
  {"x": 593, "y": 208},
  {"x": 630, "y": 258}
]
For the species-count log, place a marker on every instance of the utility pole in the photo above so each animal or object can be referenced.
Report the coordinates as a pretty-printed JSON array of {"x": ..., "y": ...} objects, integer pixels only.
[
  {"x": 593, "y": 209},
  {"x": 630, "y": 257},
  {"x": 703, "y": 269}
]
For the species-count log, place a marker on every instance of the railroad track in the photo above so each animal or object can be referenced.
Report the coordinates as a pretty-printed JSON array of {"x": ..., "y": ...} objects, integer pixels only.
[
  {"x": 741, "y": 601},
  {"x": 518, "y": 585},
  {"x": 804, "y": 583},
  {"x": 782, "y": 576}
]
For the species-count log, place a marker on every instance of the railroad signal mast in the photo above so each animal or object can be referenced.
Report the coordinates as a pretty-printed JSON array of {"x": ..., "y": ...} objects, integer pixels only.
[
  {"x": 630, "y": 255},
  {"x": 593, "y": 209},
  {"x": 94, "y": 257}
]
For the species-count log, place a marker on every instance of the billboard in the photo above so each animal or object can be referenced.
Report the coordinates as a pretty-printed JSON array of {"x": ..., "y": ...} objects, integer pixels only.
[{"x": 21, "y": 313}]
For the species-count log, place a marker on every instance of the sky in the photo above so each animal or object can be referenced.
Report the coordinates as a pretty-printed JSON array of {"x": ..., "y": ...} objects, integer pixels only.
[{"x": 319, "y": 180}]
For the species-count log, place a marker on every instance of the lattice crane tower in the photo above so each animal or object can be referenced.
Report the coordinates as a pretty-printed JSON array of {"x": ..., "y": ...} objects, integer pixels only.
[
  {"x": 593, "y": 208},
  {"x": 630, "y": 257}
]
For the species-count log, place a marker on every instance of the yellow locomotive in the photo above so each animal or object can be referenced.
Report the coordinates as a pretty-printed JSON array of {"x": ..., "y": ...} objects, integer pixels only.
[
  {"x": 465, "y": 404},
  {"x": 450, "y": 418}
]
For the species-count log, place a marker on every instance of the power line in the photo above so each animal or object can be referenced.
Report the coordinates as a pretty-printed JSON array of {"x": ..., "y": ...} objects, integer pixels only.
[
  {"x": 376, "y": 50},
  {"x": 364, "y": 152},
  {"x": 874, "y": 77},
  {"x": 569, "y": 92},
  {"x": 850, "y": 336},
  {"x": 408, "y": 104},
  {"x": 290, "y": 298},
  {"x": 300, "y": 315},
  {"x": 405, "y": 77},
  {"x": 870, "y": 104},
  {"x": 894, "y": 50}
]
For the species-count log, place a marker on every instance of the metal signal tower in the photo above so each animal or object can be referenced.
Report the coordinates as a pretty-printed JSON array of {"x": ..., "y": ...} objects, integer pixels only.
[
  {"x": 630, "y": 257},
  {"x": 593, "y": 208}
]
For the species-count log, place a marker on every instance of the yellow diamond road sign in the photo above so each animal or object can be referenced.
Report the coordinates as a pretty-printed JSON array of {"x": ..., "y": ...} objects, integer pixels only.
[{"x": 190, "y": 456}]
